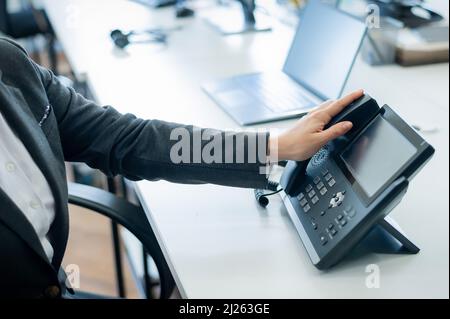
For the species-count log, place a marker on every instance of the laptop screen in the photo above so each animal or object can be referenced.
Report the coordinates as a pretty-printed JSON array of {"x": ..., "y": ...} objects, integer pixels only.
[{"x": 324, "y": 49}]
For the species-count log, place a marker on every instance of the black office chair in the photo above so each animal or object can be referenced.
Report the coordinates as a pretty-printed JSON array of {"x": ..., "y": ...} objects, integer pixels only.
[
  {"x": 132, "y": 218},
  {"x": 26, "y": 23}
]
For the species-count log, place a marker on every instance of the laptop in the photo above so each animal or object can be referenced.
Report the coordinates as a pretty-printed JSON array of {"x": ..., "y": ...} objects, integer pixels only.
[{"x": 316, "y": 69}]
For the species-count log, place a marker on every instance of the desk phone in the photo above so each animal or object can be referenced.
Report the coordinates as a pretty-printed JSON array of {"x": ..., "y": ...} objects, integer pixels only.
[{"x": 348, "y": 188}]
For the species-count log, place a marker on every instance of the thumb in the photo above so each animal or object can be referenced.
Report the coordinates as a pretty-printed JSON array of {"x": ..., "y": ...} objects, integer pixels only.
[{"x": 336, "y": 131}]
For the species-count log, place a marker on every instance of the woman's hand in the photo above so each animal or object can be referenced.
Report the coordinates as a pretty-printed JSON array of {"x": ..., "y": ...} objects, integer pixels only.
[{"x": 308, "y": 135}]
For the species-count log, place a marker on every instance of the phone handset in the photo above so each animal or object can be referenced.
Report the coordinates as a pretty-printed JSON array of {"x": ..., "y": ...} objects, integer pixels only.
[{"x": 360, "y": 113}]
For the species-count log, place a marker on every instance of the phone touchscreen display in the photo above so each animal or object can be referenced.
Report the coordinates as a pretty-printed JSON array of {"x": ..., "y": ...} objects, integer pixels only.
[{"x": 377, "y": 155}]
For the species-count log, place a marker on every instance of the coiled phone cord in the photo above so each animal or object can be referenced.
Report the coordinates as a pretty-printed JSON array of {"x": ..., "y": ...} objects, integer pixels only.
[{"x": 260, "y": 194}]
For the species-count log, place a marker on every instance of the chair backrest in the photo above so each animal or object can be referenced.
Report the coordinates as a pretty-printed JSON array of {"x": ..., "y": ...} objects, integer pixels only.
[
  {"x": 132, "y": 218},
  {"x": 3, "y": 17}
]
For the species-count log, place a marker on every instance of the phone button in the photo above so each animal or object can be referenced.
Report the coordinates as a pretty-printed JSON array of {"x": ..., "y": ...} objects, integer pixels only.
[
  {"x": 300, "y": 196},
  {"x": 316, "y": 180},
  {"x": 323, "y": 191},
  {"x": 314, "y": 200},
  {"x": 350, "y": 211},
  {"x": 336, "y": 200},
  {"x": 309, "y": 188},
  {"x": 323, "y": 240},
  {"x": 303, "y": 202},
  {"x": 333, "y": 232},
  {"x": 307, "y": 208},
  {"x": 320, "y": 185},
  {"x": 332, "y": 182}
]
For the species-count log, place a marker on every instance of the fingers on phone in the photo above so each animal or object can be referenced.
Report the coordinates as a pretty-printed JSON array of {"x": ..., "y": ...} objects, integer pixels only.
[
  {"x": 322, "y": 106},
  {"x": 325, "y": 104},
  {"x": 337, "y": 130},
  {"x": 340, "y": 104}
]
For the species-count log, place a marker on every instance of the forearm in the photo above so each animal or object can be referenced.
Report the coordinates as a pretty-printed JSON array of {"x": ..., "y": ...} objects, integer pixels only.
[
  {"x": 154, "y": 150},
  {"x": 149, "y": 149},
  {"x": 198, "y": 156}
]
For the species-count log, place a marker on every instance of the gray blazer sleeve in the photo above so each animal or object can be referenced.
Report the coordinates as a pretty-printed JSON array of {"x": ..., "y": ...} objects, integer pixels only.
[{"x": 140, "y": 149}]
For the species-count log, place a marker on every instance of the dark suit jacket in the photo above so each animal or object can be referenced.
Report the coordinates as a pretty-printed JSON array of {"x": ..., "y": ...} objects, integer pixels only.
[{"x": 56, "y": 125}]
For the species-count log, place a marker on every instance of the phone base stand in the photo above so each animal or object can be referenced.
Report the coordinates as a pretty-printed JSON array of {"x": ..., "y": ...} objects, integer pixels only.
[{"x": 387, "y": 238}]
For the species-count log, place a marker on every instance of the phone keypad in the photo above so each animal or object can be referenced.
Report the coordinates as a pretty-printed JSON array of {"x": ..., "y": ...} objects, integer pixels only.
[
  {"x": 312, "y": 192},
  {"x": 331, "y": 221}
]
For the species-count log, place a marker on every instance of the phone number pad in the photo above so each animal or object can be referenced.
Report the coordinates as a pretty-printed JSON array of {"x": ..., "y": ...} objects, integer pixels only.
[{"x": 311, "y": 193}]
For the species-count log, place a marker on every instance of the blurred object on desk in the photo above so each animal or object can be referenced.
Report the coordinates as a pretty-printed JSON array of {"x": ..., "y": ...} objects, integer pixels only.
[
  {"x": 403, "y": 32},
  {"x": 423, "y": 45},
  {"x": 157, "y": 3},
  {"x": 412, "y": 13},
  {"x": 380, "y": 45},
  {"x": 238, "y": 17}
]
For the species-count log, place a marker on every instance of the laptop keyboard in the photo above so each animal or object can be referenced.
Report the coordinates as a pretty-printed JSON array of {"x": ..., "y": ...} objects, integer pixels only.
[{"x": 277, "y": 94}]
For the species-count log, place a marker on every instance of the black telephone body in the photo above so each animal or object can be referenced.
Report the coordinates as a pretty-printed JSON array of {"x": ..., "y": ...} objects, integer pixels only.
[{"x": 328, "y": 203}]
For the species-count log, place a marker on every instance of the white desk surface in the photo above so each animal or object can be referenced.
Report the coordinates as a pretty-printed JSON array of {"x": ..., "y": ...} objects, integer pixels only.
[{"x": 218, "y": 242}]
